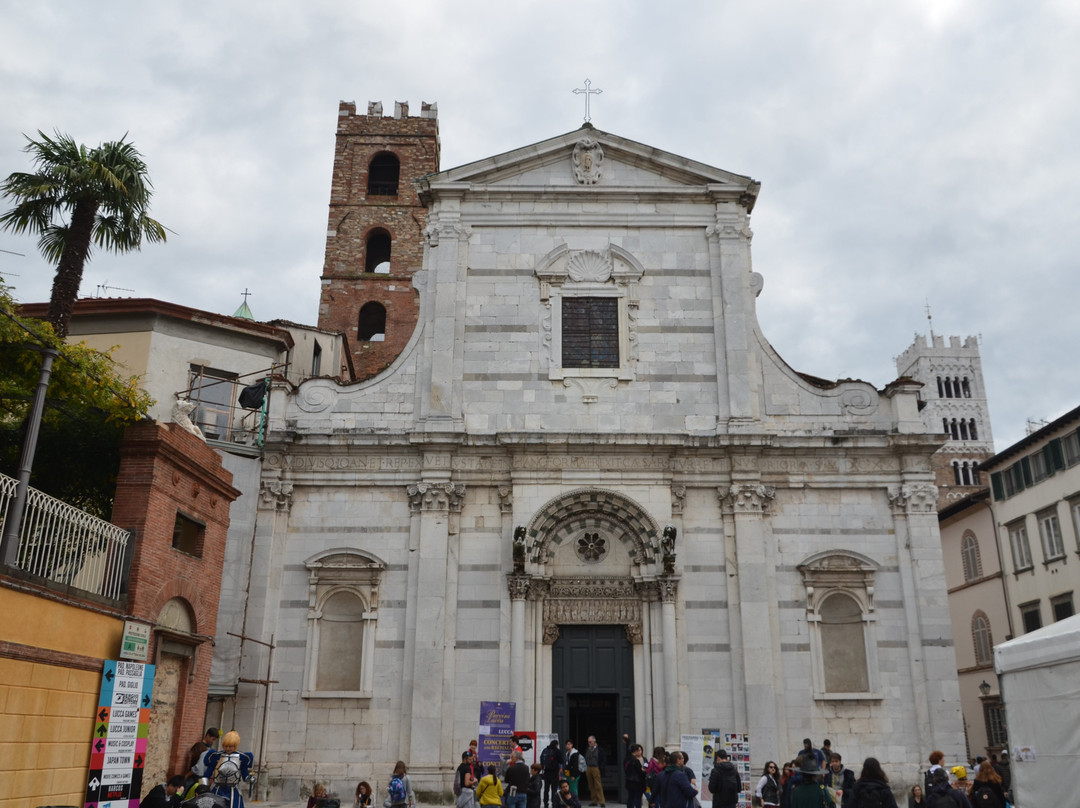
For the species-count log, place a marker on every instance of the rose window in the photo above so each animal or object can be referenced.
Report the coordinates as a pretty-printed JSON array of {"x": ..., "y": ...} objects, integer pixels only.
[{"x": 591, "y": 547}]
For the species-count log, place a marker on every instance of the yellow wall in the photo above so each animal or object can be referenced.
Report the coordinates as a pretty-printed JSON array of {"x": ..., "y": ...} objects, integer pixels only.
[{"x": 47, "y": 711}]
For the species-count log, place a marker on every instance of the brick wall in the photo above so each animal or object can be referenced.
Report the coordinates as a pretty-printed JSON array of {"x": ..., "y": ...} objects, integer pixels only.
[
  {"x": 165, "y": 470},
  {"x": 355, "y": 215}
]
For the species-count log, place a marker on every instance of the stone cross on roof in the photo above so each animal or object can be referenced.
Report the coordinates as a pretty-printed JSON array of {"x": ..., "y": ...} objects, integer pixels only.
[{"x": 587, "y": 91}]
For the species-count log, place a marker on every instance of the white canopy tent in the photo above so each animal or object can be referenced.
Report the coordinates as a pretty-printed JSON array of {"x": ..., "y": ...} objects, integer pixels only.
[{"x": 1039, "y": 676}]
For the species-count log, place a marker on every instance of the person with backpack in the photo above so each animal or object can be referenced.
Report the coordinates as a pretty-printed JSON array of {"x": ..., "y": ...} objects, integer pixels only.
[
  {"x": 551, "y": 763},
  {"x": 228, "y": 769},
  {"x": 656, "y": 765},
  {"x": 872, "y": 788},
  {"x": 400, "y": 791},
  {"x": 724, "y": 781},
  {"x": 987, "y": 790},
  {"x": 943, "y": 795},
  {"x": 575, "y": 767}
]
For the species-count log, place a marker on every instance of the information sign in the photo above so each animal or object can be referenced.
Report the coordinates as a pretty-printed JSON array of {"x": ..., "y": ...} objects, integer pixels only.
[
  {"x": 121, "y": 724},
  {"x": 136, "y": 642}
]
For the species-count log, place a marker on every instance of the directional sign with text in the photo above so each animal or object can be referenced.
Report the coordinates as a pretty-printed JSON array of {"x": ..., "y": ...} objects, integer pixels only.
[{"x": 121, "y": 724}]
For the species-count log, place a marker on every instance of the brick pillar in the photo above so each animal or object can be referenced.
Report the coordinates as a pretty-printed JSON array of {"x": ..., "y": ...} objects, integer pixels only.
[{"x": 166, "y": 472}]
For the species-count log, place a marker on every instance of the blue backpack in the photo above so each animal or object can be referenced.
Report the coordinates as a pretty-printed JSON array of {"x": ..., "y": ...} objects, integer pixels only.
[{"x": 397, "y": 791}]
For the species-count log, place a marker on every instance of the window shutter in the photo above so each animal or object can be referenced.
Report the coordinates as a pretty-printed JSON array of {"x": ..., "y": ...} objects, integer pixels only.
[
  {"x": 1055, "y": 457},
  {"x": 1025, "y": 466},
  {"x": 997, "y": 486}
]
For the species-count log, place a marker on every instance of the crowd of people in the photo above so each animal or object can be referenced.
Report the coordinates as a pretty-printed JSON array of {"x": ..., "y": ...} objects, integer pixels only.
[{"x": 814, "y": 778}]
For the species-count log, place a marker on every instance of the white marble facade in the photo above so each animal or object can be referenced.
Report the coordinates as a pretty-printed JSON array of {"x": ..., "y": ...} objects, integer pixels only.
[{"x": 804, "y": 594}]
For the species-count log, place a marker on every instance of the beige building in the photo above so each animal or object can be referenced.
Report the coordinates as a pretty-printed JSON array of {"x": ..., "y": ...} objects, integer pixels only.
[{"x": 980, "y": 618}]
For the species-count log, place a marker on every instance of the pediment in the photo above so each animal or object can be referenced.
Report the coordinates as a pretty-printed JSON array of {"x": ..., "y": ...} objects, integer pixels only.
[{"x": 589, "y": 160}]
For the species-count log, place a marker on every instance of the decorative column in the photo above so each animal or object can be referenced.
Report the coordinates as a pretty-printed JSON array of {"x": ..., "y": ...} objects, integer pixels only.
[
  {"x": 519, "y": 591},
  {"x": 746, "y": 503},
  {"x": 432, "y": 505},
  {"x": 913, "y": 503},
  {"x": 669, "y": 590}
]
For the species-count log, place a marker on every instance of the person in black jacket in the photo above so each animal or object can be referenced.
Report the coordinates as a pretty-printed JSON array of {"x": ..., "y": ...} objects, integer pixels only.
[
  {"x": 942, "y": 795},
  {"x": 987, "y": 791},
  {"x": 551, "y": 763},
  {"x": 164, "y": 795},
  {"x": 872, "y": 787},
  {"x": 675, "y": 788},
  {"x": 724, "y": 782},
  {"x": 634, "y": 773}
]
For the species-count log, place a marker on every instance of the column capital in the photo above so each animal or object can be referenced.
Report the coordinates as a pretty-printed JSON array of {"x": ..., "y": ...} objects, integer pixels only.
[
  {"x": 746, "y": 498},
  {"x": 519, "y": 586},
  {"x": 913, "y": 498},
  {"x": 668, "y": 589},
  {"x": 435, "y": 496},
  {"x": 276, "y": 494}
]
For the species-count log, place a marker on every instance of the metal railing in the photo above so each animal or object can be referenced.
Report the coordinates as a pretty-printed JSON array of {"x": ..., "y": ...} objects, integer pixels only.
[{"x": 60, "y": 543}]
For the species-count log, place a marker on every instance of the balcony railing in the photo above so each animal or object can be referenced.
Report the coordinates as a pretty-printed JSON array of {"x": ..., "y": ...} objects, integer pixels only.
[{"x": 63, "y": 544}]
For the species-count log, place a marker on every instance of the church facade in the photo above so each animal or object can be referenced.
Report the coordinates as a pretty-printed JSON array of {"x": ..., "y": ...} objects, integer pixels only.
[{"x": 584, "y": 483}]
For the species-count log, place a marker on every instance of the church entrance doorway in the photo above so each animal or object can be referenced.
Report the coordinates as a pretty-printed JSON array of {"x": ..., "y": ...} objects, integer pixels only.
[{"x": 593, "y": 694}]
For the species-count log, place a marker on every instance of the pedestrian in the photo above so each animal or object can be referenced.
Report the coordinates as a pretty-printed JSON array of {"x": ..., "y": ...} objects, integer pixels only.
[
  {"x": 768, "y": 787},
  {"x": 937, "y": 761},
  {"x": 826, "y": 751},
  {"x": 917, "y": 798},
  {"x": 634, "y": 775},
  {"x": 517, "y": 782},
  {"x": 676, "y": 790},
  {"x": 960, "y": 780},
  {"x": 551, "y": 763},
  {"x": 565, "y": 798},
  {"x": 165, "y": 795},
  {"x": 986, "y": 791},
  {"x": 808, "y": 792},
  {"x": 657, "y": 763},
  {"x": 400, "y": 790},
  {"x": 466, "y": 797},
  {"x": 318, "y": 793},
  {"x": 595, "y": 759},
  {"x": 575, "y": 767},
  {"x": 196, "y": 752},
  {"x": 536, "y": 786},
  {"x": 228, "y": 769},
  {"x": 808, "y": 749},
  {"x": 943, "y": 795},
  {"x": 489, "y": 790},
  {"x": 1004, "y": 772},
  {"x": 363, "y": 795},
  {"x": 724, "y": 782},
  {"x": 871, "y": 790},
  {"x": 465, "y": 767},
  {"x": 839, "y": 781}
]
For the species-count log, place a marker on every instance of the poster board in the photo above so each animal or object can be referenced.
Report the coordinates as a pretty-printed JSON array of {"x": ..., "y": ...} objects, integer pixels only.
[
  {"x": 700, "y": 751},
  {"x": 496, "y": 736},
  {"x": 121, "y": 727}
]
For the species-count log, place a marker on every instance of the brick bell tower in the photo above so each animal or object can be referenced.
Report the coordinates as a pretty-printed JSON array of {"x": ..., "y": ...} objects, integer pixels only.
[{"x": 374, "y": 239}]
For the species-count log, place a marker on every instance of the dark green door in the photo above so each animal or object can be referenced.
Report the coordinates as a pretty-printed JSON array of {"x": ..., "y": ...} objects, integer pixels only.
[{"x": 593, "y": 682}]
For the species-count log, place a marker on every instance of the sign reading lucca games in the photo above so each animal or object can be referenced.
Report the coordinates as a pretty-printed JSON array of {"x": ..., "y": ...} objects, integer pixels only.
[{"x": 121, "y": 724}]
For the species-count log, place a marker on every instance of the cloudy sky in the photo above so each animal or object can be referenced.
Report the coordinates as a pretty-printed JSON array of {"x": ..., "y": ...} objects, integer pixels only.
[{"x": 909, "y": 152}]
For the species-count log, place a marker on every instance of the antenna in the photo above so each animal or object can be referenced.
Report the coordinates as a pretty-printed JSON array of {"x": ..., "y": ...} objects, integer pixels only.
[
  {"x": 104, "y": 287},
  {"x": 930, "y": 320}
]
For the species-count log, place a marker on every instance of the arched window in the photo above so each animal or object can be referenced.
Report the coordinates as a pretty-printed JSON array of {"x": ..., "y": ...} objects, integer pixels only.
[
  {"x": 965, "y": 386},
  {"x": 956, "y": 472},
  {"x": 969, "y": 554},
  {"x": 975, "y": 473},
  {"x": 963, "y": 429},
  {"x": 377, "y": 252},
  {"x": 383, "y": 173},
  {"x": 945, "y": 425},
  {"x": 954, "y": 430},
  {"x": 372, "y": 323},
  {"x": 940, "y": 388},
  {"x": 984, "y": 643},
  {"x": 971, "y": 429},
  {"x": 843, "y": 645},
  {"x": 343, "y": 590}
]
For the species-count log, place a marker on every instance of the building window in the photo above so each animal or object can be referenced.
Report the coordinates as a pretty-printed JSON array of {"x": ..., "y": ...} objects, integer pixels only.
[
  {"x": 316, "y": 359},
  {"x": 1062, "y": 606},
  {"x": 1018, "y": 541},
  {"x": 343, "y": 597},
  {"x": 371, "y": 326},
  {"x": 377, "y": 252},
  {"x": 188, "y": 535},
  {"x": 383, "y": 175},
  {"x": 1071, "y": 446},
  {"x": 589, "y": 323},
  {"x": 590, "y": 332},
  {"x": 1038, "y": 467},
  {"x": 841, "y": 620},
  {"x": 995, "y": 724},
  {"x": 1031, "y": 616},
  {"x": 969, "y": 554},
  {"x": 1050, "y": 533},
  {"x": 213, "y": 392},
  {"x": 984, "y": 643},
  {"x": 1074, "y": 507}
]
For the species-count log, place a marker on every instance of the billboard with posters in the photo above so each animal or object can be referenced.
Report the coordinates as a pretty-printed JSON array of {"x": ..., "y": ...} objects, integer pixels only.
[
  {"x": 496, "y": 736},
  {"x": 700, "y": 751}
]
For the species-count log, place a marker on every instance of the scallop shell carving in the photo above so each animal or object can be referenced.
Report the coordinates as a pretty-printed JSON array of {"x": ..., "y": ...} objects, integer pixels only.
[{"x": 589, "y": 266}]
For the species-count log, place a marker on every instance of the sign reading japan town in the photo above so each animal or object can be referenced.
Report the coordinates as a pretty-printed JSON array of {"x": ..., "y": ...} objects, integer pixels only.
[{"x": 121, "y": 724}]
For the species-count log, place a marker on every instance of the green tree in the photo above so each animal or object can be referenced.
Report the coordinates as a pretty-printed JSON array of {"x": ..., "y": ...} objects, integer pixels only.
[
  {"x": 78, "y": 197},
  {"x": 89, "y": 403}
]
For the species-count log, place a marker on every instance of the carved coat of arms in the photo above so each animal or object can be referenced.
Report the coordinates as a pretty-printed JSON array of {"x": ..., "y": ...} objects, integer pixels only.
[{"x": 588, "y": 155}]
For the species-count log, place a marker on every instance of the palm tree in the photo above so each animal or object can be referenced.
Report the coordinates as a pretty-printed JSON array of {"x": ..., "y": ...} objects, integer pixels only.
[{"x": 105, "y": 192}]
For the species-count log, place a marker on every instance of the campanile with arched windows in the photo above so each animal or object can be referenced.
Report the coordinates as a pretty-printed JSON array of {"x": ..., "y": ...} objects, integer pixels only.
[{"x": 374, "y": 238}]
